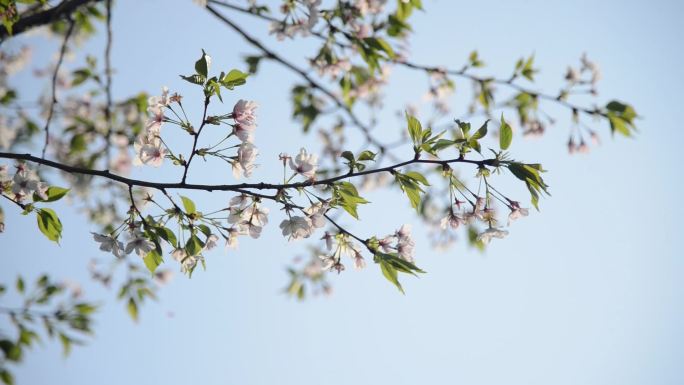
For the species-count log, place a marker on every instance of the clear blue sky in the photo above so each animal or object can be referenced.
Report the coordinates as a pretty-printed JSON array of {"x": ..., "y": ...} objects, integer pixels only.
[{"x": 588, "y": 291}]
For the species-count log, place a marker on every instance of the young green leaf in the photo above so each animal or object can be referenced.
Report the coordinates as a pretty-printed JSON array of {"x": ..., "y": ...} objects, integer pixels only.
[
  {"x": 202, "y": 65},
  {"x": 152, "y": 260},
  {"x": 188, "y": 204},
  {"x": 233, "y": 79},
  {"x": 132, "y": 308},
  {"x": 505, "y": 134},
  {"x": 53, "y": 193},
  {"x": 415, "y": 130},
  {"x": 49, "y": 224}
]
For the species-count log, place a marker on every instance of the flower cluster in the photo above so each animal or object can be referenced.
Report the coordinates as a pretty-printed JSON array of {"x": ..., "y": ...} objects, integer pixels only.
[
  {"x": 247, "y": 216},
  {"x": 372, "y": 7},
  {"x": 338, "y": 246},
  {"x": 137, "y": 241},
  {"x": 399, "y": 242},
  {"x": 297, "y": 227},
  {"x": 244, "y": 115},
  {"x": 481, "y": 211},
  {"x": 23, "y": 184},
  {"x": 576, "y": 76},
  {"x": 303, "y": 16},
  {"x": 149, "y": 148}
]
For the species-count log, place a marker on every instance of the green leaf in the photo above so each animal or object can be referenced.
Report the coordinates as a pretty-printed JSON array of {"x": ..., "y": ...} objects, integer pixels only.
[
  {"x": 527, "y": 70},
  {"x": 6, "y": 377},
  {"x": 188, "y": 204},
  {"x": 204, "y": 229},
  {"x": 391, "y": 265},
  {"x": 415, "y": 129},
  {"x": 193, "y": 246},
  {"x": 380, "y": 45},
  {"x": 132, "y": 309},
  {"x": 152, "y": 260},
  {"x": 253, "y": 63},
  {"x": 348, "y": 155},
  {"x": 366, "y": 155},
  {"x": 53, "y": 193},
  {"x": 415, "y": 175},
  {"x": 399, "y": 264},
  {"x": 505, "y": 134},
  {"x": 390, "y": 274},
  {"x": 481, "y": 132},
  {"x": 410, "y": 185},
  {"x": 66, "y": 343},
  {"x": 194, "y": 79},
  {"x": 49, "y": 224},
  {"x": 202, "y": 65},
  {"x": 233, "y": 79},
  {"x": 347, "y": 197},
  {"x": 530, "y": 174},
  {"x": 166, "y": 234},
  {"x": 621, "y": 117},
  {"x": 20, "y": 285}
]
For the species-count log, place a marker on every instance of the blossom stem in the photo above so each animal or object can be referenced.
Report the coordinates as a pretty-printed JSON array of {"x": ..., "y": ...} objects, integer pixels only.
[{"x": 194, "y": 143}]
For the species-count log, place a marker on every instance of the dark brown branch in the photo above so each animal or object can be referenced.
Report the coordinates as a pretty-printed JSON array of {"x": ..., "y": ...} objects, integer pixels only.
[
  {"x": 239, "y": 187},
  {"x": 58, "y": 12}
]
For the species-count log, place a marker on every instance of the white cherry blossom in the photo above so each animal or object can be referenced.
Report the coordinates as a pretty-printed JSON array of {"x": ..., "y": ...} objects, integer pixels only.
[
  {"x": 246, "y": 156},
  {"x": 244, "y": 113},
  {"x": 139, "y": 244},
  {"x": 109, "y": 244},
  {"x": 492, "y": 232},
  {"x": 296, "y": 227},
  {"x": 211, "y": 242},
  {"x": 304, "y": 164}
]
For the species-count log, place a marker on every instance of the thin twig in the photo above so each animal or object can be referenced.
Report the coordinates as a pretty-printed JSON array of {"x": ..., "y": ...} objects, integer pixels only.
[
  {"x": 194, "y": 143},
  {"x": 53, "y": 102},
  {"x": 108, "y": 78},
  {"x": 313, "y": 83},
  {"x": 458, "y": 73}
]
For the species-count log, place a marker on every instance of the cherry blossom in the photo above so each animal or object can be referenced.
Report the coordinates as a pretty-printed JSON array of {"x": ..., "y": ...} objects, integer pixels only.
[
  {"x": 492, "y": 232},
  {"x": 244, "y": 113},
  {"x": 211, "y": 242},
  {"x": 304, "y": 164},
  {"x": 516, "y": 212},
  {"x": 296, "y": 227},
  {"x": 139, "y": 244},
  {"x": 246, "y": 156},
  {"x": 25, "y": 182},
  {"x": 109, "y": 244}
]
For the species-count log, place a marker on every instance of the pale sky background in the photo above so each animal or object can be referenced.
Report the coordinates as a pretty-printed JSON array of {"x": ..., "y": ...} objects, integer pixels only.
[{"x": 588, "y": 291}]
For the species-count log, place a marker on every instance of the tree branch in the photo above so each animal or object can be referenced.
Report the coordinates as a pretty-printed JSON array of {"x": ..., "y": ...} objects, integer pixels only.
[
  {"x": 313, "y": 83},
  {"x": 194, "y": 143},
  {"x": 60, "y": 11},
  {"x": 53, "y": 102},
  {"x": 108, "y": 78},
  {"x": 238, "y": 187},
  {"x": 458, "y": 73}
]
